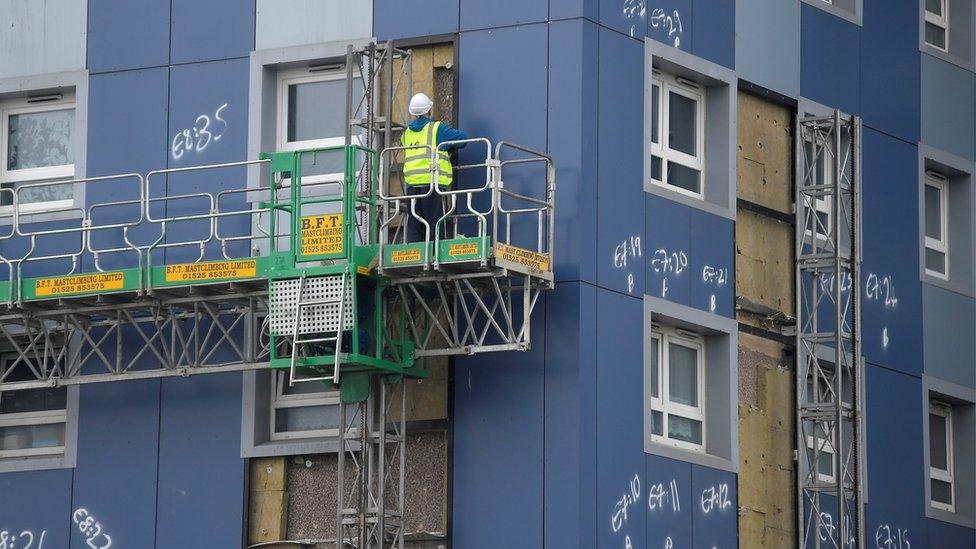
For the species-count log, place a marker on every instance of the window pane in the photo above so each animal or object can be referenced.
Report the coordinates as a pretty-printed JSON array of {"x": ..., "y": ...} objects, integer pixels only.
[
  {"x": 33, "y": 400},
  {"x": 682, "y": 130},
  {"x": 683, "y": 372},
  {"x": 825, "y": 460},
  {"x": 935, "y": 261},
  {"x": 656, "y": 168},
  {"x": 655, "y": 113},
  {"x": 935, "y": 35},
  {"x": 655, "y": 390},
  {"x": 21, "y": 437},
  {"x": 937, "y": 442},
  {"x": 941, "y": 492},
  {"x": 316, "y": 110},
  {"x": 45, "y": 193},
  {"x": 933, "y": 212},
  {"x": 657, "y": 423},
  {"x": 934, "y": 6},
  {"x": 306, "y": 418},
  {"x": 684, "y": 177},
  {"x": 40, "y": 139},
  {"x": 682, "y": 428}
]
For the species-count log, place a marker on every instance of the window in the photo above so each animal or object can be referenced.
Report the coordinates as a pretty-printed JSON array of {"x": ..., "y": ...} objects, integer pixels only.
[
  {"x": 936, "y": 225},
  {"x": 937, "y": 24},
  {"x": 677, "y": 381},
  {"x": 311, "y": 114},
  {"x": 37, "y": 142},
  {"x": 940, "y": 456},
  {"x": 819, "y": 162},
  {"x": 33, "y": 422},
  {"x": 302, "y": 410},
  {"x": 677, "y": 134},
  {"x": 820, "y": 447}
]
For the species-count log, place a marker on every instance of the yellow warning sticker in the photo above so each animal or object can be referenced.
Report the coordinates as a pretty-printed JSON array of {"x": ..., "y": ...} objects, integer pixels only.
[
  {"x": 405, "y": 256},
  {"x": 211, "y": 270},
  {"x": 520, "y": 256},
  {"x": 322, "y": 234},
  {"x": 459, "y": 250},
  {"x": 79, "y": 284}
]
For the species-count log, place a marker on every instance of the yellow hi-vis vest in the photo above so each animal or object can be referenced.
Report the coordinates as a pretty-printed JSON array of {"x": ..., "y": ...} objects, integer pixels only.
[{"x": 416, "y": 162}]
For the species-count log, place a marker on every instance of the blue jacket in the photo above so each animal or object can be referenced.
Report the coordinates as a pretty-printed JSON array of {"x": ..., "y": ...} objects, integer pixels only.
[{"x": 444, "y": 132}]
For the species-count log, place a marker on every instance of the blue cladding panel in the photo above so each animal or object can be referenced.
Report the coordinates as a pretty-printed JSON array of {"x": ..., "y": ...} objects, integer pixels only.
[
  {"x": 570, "y": 425},
  {"x": 208, "y": 125},
  {"x": 621, "y": 190},
  {"x": 711, "y": 261},
  {"x": 520, "y": 53},
  {"x": 211, "y": 29},
  {"x": 714, "y": 37},
  {"x": 201, "y": 474},
  {"x": 409, "y": 18},
  {"x": 38, "y": 503},
  {"x": 944, "y": 534},
  {"x": 498, "y": 429},
  {"x": 949, "y": 320},
  {"x": 477, "y": 14},
  {"x": 891, "y": 300},
  {"x": 890, "y": 90},
  {"x": 713, "y": 498},
  {"x": 118, "y": 420},
  {"x": 670, "y": 22},
  {"x": 133, "y": 142},
  {"x": 563, "y": 9},
  {"x": 948, "y": 107},
  {"x": 620, "y": 426},
  {"x": 667, "y": 243},
  {"x": 127, "y": 35},
  {"x": 668, "y": 502},
  {"x": 572, "y": 139},
  {"x": 894, "y": 455},
  {"x": 767, "y": 46},
  {"x": 830, "y": 67},
  {"x": 626, "y": 16}
]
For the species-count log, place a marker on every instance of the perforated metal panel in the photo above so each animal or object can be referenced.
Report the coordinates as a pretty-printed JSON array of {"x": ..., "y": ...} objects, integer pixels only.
[{"x": 320, "y": 318}]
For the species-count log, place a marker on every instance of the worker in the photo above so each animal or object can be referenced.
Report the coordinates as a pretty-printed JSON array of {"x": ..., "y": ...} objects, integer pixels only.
[{"x": 417, "y": 164}]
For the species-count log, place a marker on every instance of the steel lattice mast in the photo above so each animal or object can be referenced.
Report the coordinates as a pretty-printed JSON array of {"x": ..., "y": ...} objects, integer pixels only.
[{"x": 829, "y": 371}]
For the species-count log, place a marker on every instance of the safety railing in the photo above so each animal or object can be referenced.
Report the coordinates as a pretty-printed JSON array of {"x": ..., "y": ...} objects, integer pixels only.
[
  {"x": 136, "y": 225},
  {"x": 485, "y": 200}
]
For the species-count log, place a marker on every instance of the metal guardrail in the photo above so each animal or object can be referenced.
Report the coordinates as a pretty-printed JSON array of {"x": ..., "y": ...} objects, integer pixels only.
[{"x": 499, "y": 206}]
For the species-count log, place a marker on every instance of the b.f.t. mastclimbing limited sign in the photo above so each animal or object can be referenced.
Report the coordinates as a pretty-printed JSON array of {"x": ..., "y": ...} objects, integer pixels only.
[
  {"x": 77, "y": 284},
  {"x": 322, "y": 234},
  {"x": 211, "y": 270},
  {"x": 520, "y": 256}
]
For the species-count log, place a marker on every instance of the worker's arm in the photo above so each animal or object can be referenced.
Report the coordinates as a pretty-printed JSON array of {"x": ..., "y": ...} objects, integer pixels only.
[{"x": 446, "y": 133}]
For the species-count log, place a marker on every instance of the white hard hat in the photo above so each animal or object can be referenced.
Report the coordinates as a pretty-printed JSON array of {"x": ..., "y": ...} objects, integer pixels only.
[{"x": 420, "y": 104}]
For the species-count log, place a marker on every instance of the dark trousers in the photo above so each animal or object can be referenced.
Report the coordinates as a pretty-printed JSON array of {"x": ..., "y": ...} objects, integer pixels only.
[{"x": 429, "y": 208}]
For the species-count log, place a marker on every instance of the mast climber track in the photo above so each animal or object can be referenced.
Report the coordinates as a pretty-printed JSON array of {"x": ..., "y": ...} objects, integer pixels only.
[
  {"x": 296, "y": 260},
  {"x": 829, "y": 364}
]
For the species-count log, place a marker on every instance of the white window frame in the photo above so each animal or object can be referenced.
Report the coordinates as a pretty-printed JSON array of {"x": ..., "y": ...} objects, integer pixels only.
[
  {"x": 666, "y": 84},
  {"x": 280, "y": 401},
  {"x": 940, "y": 182},
  {"x": 666, "y": 335},
  {"x": 26, "y": 419},
  {"x": 945, "y": 475},
  {"x": 12, "y": 178},
  {"x": 827, "y": 446},
  {"x": 823, "y": 204},
  {"x": 939, "y": 21},
  {"x": 305, "y": 76}
]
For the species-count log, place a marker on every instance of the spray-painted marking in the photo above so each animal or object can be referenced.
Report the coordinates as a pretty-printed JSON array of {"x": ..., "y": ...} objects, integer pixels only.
[
  {"x": 26, "y": 539},
  {"x": 659, "y": 495},
  {"x": 197, "y": 138},
  {"x": 89, "y": 527},
  {"x": 619, "y": 516},
  {"x": 886, "y": 537},
  {"x": 630, "y": 248},
  {"x": 715, "y": 498},
  {"x": 671, "y": 22}
]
